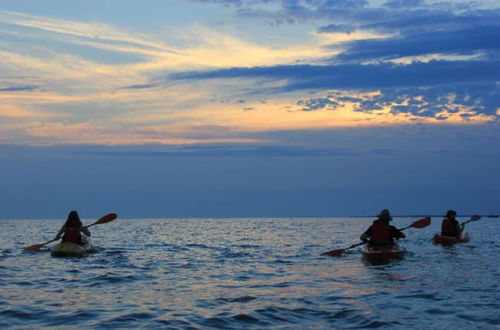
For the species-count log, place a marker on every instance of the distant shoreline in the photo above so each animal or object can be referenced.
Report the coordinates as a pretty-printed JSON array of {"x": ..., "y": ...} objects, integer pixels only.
[{"x": 264, "y": 217}]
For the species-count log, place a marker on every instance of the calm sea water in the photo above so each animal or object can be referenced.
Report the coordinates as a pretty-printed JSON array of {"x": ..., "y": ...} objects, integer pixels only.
[{"x": 247, "y": 273}]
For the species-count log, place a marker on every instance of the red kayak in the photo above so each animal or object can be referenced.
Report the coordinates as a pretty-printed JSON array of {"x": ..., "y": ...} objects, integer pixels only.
[
  {"x": 448, "y": 240},
  {"x": 382, "y": 252}
]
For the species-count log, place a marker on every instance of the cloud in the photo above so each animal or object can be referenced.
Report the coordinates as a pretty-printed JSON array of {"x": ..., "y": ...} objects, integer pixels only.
[
  {"x": 481, "y": 39},
  {"x": 18, "y": 89},
  {"x": 402, "y": 16},
  {"x": 241, "y": 151},
  {"x": 444, "y": 57},
  {"x": 450, "y": 106},
  {"x": 473, "y": 84},
  {"x": 313, "y": 104},
  {"x": 291, "y": 5},
  {"x": 359, "y": 76},
  {"x": 333, "y": 28},
  {"x": 104, "y": 35},
  {"x": 17, "y": 112},
  {"x": 403, "y": 3}
]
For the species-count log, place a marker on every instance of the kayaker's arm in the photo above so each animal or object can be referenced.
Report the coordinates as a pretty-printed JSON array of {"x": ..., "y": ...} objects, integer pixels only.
[
  {"x": 461, "y": 228},
  {"x": 396, "y": 233},
  {"x": 365, "y": 237},
  {"x": 60, "y": 233},
  {"x": 86, "y": 231}
]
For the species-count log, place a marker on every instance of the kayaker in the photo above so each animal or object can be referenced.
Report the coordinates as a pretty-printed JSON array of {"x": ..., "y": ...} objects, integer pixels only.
[
  {"x": 381, "y": 232},
  {"x": 72, "y": 229},
  {"x": 450, "y": 225}
]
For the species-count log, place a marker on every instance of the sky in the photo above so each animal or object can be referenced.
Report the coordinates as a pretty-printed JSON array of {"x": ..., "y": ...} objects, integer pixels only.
[{"x": 249, "y": 108}]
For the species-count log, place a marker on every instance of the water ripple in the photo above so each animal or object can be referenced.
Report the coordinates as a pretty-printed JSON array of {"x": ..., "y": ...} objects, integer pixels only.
[{"x": 247, "y": 274}]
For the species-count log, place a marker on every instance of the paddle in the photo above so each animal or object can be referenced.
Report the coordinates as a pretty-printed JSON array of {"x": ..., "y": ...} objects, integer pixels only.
[
  {"x": 104, "y": 219},
  {"x": 424, "y": 222},
  {"x": 37, "y": 247},
  {"x": 473, "y": 218}
]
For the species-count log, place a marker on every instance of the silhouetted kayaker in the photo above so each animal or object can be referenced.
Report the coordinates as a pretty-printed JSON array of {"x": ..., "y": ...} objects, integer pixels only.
[
  {"x": 450, "y": 226},
  {"x": 72, "y": 229},
  {"x": 381, "y": 232}
]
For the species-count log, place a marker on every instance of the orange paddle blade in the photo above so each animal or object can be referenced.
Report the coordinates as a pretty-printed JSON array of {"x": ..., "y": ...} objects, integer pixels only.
[
  {"x": 338, "y": 252},
  {"x": 333, "y": 253},
  {"x": 421, "y": 223},
  {"x": 37, "y": 247},
  {"x": 106, "y": 218}
]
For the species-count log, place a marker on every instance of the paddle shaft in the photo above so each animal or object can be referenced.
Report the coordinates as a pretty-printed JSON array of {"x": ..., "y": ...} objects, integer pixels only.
[
  {"x": 354, "y": 245},
  {"x": 470, "y": 220},
  {"x": 338, "y": 252},
  {"x": 37, "y": 247},
  {"x": 462, "y": 225}
]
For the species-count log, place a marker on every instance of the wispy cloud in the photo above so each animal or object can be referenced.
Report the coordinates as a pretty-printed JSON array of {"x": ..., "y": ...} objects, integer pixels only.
[
  {"x": 96, "y": 34},
  {"x": 238, "y": 151},
  {"x": 483, "y": 40},
  {"x": 17, "y": 89}
]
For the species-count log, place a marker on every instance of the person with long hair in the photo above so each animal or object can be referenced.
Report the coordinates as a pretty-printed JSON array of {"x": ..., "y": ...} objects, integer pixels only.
[{"x": 72, "y": 229}]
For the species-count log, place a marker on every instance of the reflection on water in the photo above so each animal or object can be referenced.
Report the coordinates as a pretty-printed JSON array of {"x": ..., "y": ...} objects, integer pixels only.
[{"x": 246, "y": 273}]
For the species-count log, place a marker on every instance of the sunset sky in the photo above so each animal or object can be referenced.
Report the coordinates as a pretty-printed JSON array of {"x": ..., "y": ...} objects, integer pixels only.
[{"x": 249, "y": 108}]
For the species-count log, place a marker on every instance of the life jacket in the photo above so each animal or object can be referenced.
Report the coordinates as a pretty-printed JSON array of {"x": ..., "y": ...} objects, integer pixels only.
[
  {"x": 380, "y": 233},
  {"x": 72, "y": 235},
  {"x": 449, "y": 228}
]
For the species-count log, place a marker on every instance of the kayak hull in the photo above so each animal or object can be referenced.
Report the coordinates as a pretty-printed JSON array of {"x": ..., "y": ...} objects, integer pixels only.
[
  {"x": 381, "y": 253},
  {"x": 67, "y": 249},
  {"x": 448, "y": 240}
]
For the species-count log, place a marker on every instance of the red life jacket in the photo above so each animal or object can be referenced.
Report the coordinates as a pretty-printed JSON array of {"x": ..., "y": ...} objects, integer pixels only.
[
  {"x": 72, "y": 235},
  {"x": 449, "y": 228},
  {"x": 380, "y": 233}
]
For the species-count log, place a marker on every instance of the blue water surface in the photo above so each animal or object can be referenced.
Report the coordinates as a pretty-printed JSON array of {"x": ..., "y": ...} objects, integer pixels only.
[{"x": 247, "y": 273}]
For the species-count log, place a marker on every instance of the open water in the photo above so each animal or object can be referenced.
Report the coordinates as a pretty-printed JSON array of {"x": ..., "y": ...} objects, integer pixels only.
[{"x": 247, "y": 274}]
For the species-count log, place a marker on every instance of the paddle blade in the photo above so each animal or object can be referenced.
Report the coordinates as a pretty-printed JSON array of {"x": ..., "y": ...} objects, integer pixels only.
[
  {"x": 338, "y": 253},
  {"x": 475, "y": 217},
  {"x": 106, "y": 218},
  {"x": 35, "y": 247},
  {"x": 421, "y": 223},
  {"x": 333, "y": 253}
]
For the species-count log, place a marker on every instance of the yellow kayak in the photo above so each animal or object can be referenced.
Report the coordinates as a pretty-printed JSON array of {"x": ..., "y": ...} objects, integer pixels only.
[{"x": 67, "y": 249}]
